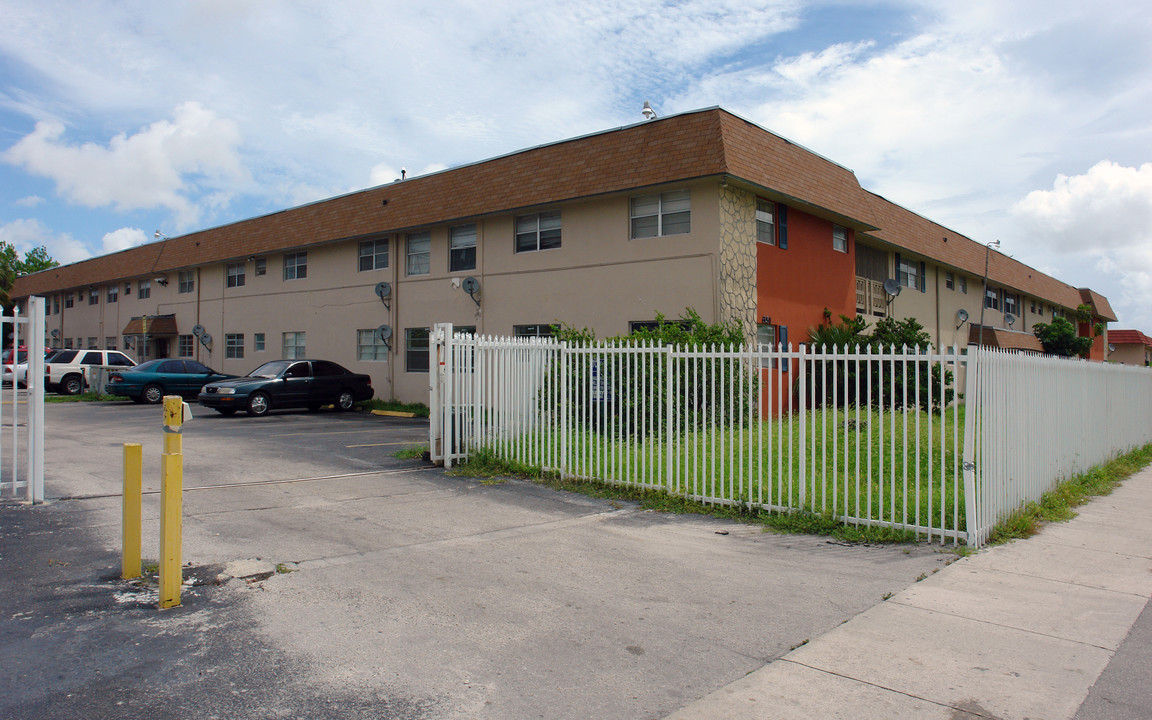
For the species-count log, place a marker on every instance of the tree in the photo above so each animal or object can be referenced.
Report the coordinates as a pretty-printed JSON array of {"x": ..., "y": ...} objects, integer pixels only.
[
  {"x": 35, "y": 260},
  {"x": 1059, "y": 338},
  {"x": 12, "y": 267}
]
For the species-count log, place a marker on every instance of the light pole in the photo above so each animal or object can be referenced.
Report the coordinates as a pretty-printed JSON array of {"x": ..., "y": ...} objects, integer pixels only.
[{"x": 984, "y": 295}]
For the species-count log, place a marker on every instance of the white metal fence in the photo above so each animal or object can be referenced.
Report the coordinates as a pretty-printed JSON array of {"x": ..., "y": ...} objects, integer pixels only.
[
  {"x": 22, "y": 411},
  {"x": 867, "y": 438},
  {"x": 1038, "y": 420}
]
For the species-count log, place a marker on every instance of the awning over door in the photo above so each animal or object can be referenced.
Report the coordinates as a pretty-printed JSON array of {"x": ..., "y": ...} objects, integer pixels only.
[{"x": 151, "y": 325}]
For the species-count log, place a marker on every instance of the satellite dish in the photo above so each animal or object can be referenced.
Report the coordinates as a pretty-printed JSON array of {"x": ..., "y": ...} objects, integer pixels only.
[
  {"x": 384, "y": 332},
  {"x": 962, "y": 315},
  {"x": 1009, "y": 318},
  {"x": 892, "y": 287},
  {"x": 197, "y": 330},
  {"x": 206, "y": 339},
  {"x": 382, "y": 290},
  {"x": 470, "y": 285},
  {"x": 55, "y": 334},
  {"x": 1111, "y": 347}
]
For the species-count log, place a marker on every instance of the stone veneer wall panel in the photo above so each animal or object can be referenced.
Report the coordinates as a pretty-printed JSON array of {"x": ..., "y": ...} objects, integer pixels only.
[{"x": 738, "y": 259}]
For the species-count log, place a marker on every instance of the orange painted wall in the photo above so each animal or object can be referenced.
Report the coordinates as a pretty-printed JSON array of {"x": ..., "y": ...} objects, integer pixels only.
[{"x": 794, "y": 285}]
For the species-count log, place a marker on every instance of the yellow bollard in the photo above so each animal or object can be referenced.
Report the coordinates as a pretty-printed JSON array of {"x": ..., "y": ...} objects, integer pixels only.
[
  {"x": 171, "y": 504},
  {"x": 133, "y": 480}
]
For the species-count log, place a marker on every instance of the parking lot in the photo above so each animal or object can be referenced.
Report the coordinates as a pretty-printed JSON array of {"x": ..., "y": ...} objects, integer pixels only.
[{"x": 411, "y": 593}]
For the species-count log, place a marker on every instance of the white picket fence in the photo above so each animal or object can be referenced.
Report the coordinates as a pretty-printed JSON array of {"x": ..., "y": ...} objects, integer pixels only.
[{"x": 845, "y": 434}]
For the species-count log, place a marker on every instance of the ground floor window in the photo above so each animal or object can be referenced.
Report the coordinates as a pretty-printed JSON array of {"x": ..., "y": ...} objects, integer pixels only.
[
  {"x": 185, "y": 345},
  {"x": 539, "y": 330},
  {"x": 258, "y": 342},
  {"x": 294, "y": 345},
  {"x": 369, "y": 346},
  {"x": 416, "y": 349},
  {"x": 234, "y": 345}
]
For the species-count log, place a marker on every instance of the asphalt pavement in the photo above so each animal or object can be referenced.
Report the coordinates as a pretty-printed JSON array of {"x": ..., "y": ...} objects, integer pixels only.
[{"x": 409, "y": 593}]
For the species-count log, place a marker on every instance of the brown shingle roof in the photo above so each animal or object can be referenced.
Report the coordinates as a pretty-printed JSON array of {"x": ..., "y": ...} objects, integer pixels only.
[
  {"x": 906, "y": 230},
  {"x": 1004, "y": 339},
  {"x": 1098, "y": 303},
  {"x": 157, "y": 325},
  {"x": 691, "y": 145}
]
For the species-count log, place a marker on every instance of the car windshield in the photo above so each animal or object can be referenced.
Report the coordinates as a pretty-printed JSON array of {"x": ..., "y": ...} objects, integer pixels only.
[{"x": 270, "y": 369}]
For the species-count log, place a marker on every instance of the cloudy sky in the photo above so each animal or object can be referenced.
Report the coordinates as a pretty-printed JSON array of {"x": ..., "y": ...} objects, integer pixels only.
[{"x": 1024, "y": 121}]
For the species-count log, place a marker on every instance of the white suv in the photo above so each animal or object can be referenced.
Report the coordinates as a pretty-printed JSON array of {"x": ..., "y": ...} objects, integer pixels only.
[{"x": 67, "y": 372}]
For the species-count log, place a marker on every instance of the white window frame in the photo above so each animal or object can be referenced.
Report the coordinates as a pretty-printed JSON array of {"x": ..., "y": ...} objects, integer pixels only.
[
  {"x": 660, "y": 215},
  {"x": 295, "y": 345},
  {"x": 186, "y": 281},
  {"x": 369, "y": 346},
  {"x": 462, "y": 247},
  {"x": 418, "y": 253},
  {"x": 185, "y": 345},
  {"x": 235, "y": 274},
  {"x": 840, "y": 238},
  {"x": 908, "y": 273},
  {"x": 113, "y": 296},
  {"x": 295, "y": 266},
  {"x": 143, "y": 289},
  {"x": 765, "y": 221},
  {"x": 375, "y": 252},
  {"x": 257, "y": 342},
  {"x": 538, "y": 231},
  {"x": 234, "y": 346}
]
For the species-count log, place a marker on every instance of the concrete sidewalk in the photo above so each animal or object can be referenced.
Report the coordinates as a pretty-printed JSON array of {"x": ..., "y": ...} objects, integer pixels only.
[{"x": 1022, "y": 630}]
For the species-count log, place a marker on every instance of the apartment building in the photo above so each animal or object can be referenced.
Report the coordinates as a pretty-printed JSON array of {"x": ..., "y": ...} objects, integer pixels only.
[{"x": 701, "y": 210}]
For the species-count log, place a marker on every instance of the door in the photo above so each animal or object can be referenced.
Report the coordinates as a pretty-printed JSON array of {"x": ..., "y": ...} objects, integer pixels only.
[{"x": 294, "y": 387}]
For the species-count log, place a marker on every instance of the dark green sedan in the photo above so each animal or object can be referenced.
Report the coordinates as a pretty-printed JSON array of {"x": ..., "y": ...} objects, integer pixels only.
[{"x": 150, "y": 381}]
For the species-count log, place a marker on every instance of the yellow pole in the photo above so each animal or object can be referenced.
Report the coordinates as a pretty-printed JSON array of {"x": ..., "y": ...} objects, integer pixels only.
[
  {"x": 171, "y": 504},
  {"x": 133, "y": 480}
]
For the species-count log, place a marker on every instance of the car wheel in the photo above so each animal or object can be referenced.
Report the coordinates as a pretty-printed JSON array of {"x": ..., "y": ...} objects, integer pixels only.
[
  {"x": 72, "y": 385},
  {"x": 152, "y": 394},
  {"x": 258, "y": 404},
  {"x": 345, "y": 401},
  {"x": 226, "y": 412}
]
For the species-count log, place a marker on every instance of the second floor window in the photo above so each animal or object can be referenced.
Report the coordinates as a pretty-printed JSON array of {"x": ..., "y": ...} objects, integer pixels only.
[
  {"x": 765, "y": 222},
  {"x": 93, "y": 297},
  {"x": 538, "y": 232},
  {"x": 839, "y": 239},
  {"x": 295, "y": 266},
  {"x": 68, "y": 300},
  {"x": 113, "y": 294},
  {"x": 187, "y": 279},
  {"x": 373, "y": 255},
  {"x": 419, "y": 247},
  {"x": 462, "y": 248},
  {"x": 144, "y": 289},
  {"x": 668, "y": 213},
  {"x": 235, "y": 274}
]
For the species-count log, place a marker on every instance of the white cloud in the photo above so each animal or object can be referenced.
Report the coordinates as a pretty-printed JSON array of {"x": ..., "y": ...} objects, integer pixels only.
[
  {"x": 1103, "y": 216},
  {"x": 29, "y": 201},
  {"x": 122, "y": 239},
  {"x": 163, "y": 166},
  {"x": 26, "y": 234}
]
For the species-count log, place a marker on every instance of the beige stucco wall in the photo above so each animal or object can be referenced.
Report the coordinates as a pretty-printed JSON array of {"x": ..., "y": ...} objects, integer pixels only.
[{"x": 598, "y": 278}]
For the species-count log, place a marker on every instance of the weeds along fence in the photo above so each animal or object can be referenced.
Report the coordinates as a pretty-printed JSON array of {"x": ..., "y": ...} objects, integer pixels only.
[{"x": 869, "y": 438}]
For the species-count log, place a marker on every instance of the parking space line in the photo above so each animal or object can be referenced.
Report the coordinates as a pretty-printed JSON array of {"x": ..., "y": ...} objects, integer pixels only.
[{"x": 336, "y": 432}]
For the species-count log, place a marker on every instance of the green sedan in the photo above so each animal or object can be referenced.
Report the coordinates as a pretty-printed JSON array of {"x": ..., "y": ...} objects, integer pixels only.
[{"x": 150, "y": 381}]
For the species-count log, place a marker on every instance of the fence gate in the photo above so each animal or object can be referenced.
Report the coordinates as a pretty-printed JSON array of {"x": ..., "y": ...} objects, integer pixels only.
[{"x": 22, "y": 410}]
